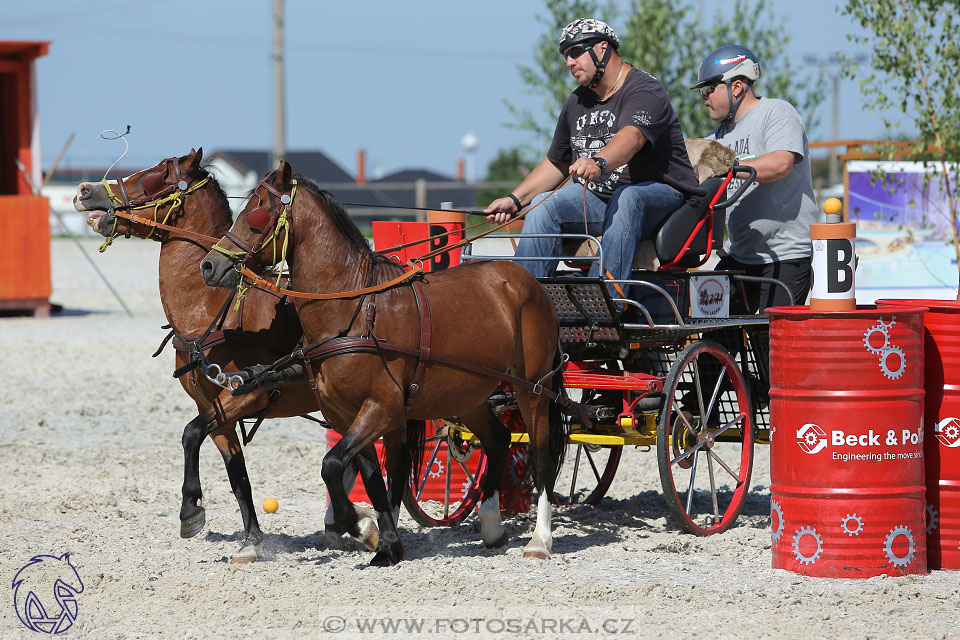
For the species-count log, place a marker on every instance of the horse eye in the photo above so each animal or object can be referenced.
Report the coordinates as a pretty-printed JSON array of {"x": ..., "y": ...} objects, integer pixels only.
[
  {"x": 258, "y": 219},
  {"x": 152, "y": 183}
]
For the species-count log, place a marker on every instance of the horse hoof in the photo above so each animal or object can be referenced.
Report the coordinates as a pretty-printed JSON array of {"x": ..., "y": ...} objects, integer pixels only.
[
  {"x": 369, "y": 534},
  {"x": 537, "y": 553},
  {"x": 383, "y": 559},
  {"x": 193, "y": 525},
  {"x": 246, "y": 555},
  {"x": 499, "y": 541}
]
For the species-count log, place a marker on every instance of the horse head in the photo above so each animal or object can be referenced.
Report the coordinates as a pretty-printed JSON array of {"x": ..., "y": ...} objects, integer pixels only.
[
  {"x": 142, "y": 190},
  {"x": 259, "y": 236}
]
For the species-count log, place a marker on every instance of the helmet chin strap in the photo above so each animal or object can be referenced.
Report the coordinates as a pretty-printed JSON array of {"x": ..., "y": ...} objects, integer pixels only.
[
  {"x": 601, "y": 66},
  {"x": 734, "y": 104}
]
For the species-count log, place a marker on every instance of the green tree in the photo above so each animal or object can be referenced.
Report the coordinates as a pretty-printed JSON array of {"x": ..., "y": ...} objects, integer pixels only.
[{"x": 913, "y": 73}]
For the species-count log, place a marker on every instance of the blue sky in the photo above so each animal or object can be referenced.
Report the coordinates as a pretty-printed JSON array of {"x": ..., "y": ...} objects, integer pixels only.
[{"x": 403, "y": 80}]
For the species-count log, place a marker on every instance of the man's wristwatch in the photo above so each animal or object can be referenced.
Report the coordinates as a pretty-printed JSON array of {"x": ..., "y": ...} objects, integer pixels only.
[{"x": 601, "y": 162}]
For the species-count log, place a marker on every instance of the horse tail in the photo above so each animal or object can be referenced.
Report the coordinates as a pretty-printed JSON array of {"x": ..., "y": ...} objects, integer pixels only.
[
  {"x": 558, "y": 426},
  {"x": 416, "y": 444}
]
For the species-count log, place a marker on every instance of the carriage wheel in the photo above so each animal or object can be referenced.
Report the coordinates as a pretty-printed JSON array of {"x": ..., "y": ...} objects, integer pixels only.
[
  {"x": 447, "y": 488},
  {"x": 705, "y": 438},
  {"x": 586, "y": 474}
]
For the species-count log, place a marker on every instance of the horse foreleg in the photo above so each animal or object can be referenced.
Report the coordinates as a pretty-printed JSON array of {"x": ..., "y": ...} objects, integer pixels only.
[
  {"x": 192, "y": 514},
  {"x": 496, "y": 444},
  {"x": 225, "y": 437},
  {"x": 390, "y": 549},
  {"x": 367, "y": 426},
  {"x": 349, "y": 480}
]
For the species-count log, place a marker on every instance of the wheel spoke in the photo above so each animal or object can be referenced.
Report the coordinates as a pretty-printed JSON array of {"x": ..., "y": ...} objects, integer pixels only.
[
  {"x": 713, "y": 486},
  {"x": 467, "y": 472},
  {"x": 727, "y": 468},
  {"x": 683, "y": 416},
  {"x": 693, "y": 475},
  {"x": 699, "y": 386},
  {"x": 596, "y": 473},
  {"x": 573, "y": 480},
  {"x": 446, "y": 487},
  {"x": 689, "y": 452},
  {"x": 426, "y": 471},
  {"x": 714, "y": 395}
]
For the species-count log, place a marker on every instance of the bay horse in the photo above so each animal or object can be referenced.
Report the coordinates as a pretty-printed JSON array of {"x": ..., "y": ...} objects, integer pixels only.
[
  {"x": 265, "y": 327},
  {"x": 494, "y": 315}
]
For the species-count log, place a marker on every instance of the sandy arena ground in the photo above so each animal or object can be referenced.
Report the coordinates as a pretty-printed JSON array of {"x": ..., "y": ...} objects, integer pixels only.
[{"x": 91, "y": 464}]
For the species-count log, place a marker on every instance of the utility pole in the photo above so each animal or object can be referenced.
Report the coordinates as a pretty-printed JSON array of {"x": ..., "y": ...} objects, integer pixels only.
[
  {"x": 833, "y": 61},
  {"x": 279, "y": 91}
]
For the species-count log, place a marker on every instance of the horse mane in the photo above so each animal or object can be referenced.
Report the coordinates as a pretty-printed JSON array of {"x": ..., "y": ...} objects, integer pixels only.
[
  {"x": 341, "y": 218},
  {"x": 208, "y": 171}
]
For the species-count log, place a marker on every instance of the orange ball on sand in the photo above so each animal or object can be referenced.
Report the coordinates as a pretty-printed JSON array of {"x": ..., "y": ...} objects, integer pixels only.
[
  {"x": 832, "y": 205},
  {"x": 270, "y": 505}
]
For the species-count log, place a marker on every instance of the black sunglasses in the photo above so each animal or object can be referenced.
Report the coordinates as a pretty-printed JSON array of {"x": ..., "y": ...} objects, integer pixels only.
[
  {"x": 706, "y": 91},
  {"x": 577, "y": 50}
]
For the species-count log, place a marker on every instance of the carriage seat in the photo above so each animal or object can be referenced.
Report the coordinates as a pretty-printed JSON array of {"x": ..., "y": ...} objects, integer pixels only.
[{"x": 711, "y": 161}]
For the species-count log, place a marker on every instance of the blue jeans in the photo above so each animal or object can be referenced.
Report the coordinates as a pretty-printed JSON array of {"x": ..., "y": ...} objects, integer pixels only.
[{"x": 634, "y": 213}]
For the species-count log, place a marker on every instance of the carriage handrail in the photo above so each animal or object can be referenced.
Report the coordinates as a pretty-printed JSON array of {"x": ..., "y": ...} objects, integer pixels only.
[
  {"x": 779, "y": 283},
  {"x": 467, "y": 252},
  {"x": 643, "y": 309},
  {"x": 658, "y": 289},
  {"x": 696, "y": 327}
]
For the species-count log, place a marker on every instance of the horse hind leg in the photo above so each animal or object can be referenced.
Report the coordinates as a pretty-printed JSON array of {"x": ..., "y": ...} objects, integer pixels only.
[
  {"x": 546, "y": 435},
  {"x": 496, "y": 443}
]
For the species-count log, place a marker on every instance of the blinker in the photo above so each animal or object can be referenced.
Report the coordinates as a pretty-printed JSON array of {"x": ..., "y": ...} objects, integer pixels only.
[
  {"x": 152, "y": 183},
  {"x": 259, "y": 218}
]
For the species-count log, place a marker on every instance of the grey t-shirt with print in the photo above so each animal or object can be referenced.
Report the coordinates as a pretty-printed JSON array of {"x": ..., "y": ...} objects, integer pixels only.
[{"x": 771, "y": 222}]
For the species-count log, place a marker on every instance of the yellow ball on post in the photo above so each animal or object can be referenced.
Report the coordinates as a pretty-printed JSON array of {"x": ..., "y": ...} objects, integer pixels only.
[
  {"x": 270, "y": 505},
  {"x": 832, "y": 206}
]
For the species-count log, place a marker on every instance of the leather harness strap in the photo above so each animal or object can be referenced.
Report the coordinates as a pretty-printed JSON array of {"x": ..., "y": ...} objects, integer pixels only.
[{"x": 423, "y": 308}]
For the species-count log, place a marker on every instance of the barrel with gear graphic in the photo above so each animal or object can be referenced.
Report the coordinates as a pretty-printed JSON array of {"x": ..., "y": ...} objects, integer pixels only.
[
  {"x": 847, "y": 465},
  {"x": 942, "y": 428}
]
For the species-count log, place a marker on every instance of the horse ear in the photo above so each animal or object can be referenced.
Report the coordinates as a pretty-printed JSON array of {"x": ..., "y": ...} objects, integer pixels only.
[
  {"x": 284, "y": 175},
  {"x": 193, "y": 158}
]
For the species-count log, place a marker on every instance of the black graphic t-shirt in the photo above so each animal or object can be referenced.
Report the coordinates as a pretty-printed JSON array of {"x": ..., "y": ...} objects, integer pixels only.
[{"x": 586, "y": 125}]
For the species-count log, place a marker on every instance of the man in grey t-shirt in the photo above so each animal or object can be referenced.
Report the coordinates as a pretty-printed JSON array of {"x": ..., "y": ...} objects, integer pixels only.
[{"x": 769, "y": 227}]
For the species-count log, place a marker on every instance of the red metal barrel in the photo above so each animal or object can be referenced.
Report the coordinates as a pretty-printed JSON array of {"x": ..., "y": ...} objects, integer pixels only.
[
  {"x": 846, "y": 459},
  {"x": 942, "y": 426}
]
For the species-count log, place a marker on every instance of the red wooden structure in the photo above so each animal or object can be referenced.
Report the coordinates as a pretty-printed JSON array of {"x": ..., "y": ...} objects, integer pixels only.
[{"x": 24, "y": 216}]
